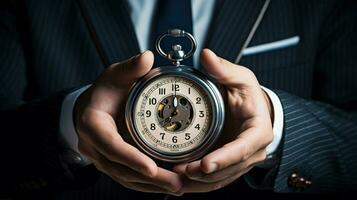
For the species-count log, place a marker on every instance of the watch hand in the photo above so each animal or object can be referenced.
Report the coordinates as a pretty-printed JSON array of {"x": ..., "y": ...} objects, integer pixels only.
[
  {"x": 175, "y": 97},
  {"x": 175, "y": 101}
]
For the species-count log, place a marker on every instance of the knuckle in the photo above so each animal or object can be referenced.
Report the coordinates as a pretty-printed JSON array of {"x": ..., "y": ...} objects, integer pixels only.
[
  {"x": 251, "y": 78},
  {"x": 245, "y": 151},
  {"x": 244, "y": 166},
  {"x": 88, "y": 116},
  {"x": 248, "y": 72},
  {"x": 245, "y": 156}
]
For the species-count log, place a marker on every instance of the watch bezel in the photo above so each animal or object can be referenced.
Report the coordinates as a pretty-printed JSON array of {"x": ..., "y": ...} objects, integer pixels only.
[{"x": 217, "y": 104}]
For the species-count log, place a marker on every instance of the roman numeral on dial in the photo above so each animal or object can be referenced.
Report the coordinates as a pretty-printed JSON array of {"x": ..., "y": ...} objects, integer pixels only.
[{"x": 162, "y": 91}]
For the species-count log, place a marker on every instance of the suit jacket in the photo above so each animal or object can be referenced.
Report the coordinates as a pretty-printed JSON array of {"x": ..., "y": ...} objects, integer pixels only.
[{"x": 48, "y": 50}]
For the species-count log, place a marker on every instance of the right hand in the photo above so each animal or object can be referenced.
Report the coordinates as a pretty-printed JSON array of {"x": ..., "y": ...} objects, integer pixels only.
[{"x": 99, "y": 120}]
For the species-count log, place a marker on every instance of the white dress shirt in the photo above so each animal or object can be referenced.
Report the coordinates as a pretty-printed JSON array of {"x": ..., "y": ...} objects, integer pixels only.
[{"x": 141, "y": 12}]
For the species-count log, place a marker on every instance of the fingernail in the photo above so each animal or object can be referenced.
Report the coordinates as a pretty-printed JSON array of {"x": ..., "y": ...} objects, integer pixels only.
[{"x": 212, "y": 167}]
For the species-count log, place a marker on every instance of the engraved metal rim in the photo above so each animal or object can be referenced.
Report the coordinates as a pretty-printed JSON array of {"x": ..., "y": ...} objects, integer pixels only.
[
  {"x": 176, "y": 33},
  {"x": 217, "y": 113}
]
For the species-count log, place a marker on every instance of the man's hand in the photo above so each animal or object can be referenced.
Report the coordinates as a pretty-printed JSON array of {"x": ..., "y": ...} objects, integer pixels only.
[
  {"x": 97, "y": 113},
  {"x": 248, "y": 124}
]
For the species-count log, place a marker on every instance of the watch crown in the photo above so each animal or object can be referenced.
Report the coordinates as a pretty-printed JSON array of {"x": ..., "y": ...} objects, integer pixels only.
[{"x": 177, "y": 54}]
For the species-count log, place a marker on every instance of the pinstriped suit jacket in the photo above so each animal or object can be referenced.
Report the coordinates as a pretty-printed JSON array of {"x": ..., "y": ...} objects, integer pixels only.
[{"x": 46, "y": 51}]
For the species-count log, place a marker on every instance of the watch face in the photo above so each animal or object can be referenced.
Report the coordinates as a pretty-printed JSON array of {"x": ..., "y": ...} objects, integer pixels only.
[{"x": 172, "y": 115}]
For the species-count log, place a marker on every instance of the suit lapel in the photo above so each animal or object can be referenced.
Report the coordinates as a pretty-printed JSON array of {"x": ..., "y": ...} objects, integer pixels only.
[
  {"x": 231, "y": 25},
  {"x": 229, "y": 28},
  {"x": 115, "y": 32}
]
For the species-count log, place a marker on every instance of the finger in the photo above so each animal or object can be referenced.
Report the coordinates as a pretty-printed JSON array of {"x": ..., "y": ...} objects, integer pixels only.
[
  {"x": 125, "y": 73},
  {"x": 224, "y": 71},
  {"x": 169, "y": 178},
  {"x": 193, "y": 169},
  {"x": 100, "y": 131},
  {"x": 164, "y": 179},
  {"x": 247, "y": 143},
  {"x": 180, "y": 168},
  {"x": 141, "y": 185},
  {"x": 192, "y": 186},
  {"x": 194, "y": 172}
]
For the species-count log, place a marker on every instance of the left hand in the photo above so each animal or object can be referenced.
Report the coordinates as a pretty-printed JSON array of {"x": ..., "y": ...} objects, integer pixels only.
[{"x": 248, "y": 122}]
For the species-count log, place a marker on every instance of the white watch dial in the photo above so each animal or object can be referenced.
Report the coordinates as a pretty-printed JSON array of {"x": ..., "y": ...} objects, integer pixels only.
[{"x": 172, "y": 115}]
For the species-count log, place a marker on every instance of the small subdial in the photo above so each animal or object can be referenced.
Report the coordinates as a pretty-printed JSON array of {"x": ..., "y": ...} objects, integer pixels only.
[{"x": 174, "y": 113}]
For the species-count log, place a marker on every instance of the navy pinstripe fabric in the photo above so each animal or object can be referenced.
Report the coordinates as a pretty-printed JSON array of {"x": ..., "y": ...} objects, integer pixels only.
[
  {"x": 46, "y": 49},
  {"x": 319, "y": 142}
]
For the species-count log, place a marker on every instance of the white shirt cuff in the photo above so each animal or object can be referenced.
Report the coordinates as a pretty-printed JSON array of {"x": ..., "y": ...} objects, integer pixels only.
[
  {"x": 278, "y": 123},
  {"x": 67, "y": 129}
]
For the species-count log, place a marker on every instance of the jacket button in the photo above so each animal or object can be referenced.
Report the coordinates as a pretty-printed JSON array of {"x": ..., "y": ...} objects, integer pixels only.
[{"x": 298, "y": 182}]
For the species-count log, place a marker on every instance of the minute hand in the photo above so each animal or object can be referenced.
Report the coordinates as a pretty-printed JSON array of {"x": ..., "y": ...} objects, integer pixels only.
[
  {"x": 175, "y": 97},
  {"x": 175, "y": 101}
]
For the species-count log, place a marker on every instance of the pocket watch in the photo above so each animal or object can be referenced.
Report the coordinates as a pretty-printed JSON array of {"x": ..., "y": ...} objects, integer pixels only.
[{"x": 175, "y": 113}]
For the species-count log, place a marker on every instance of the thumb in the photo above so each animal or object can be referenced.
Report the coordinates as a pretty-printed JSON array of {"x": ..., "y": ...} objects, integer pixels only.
[
  {"x": 225, "y": 72},
  {"x": 124, "y": 73}
]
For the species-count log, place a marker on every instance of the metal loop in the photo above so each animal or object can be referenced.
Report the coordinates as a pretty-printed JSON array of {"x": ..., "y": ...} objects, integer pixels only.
[{"x": 176, "y": 33}]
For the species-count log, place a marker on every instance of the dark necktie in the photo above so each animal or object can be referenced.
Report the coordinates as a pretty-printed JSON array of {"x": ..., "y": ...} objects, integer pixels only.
[{"x": 171, "y": 14}]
